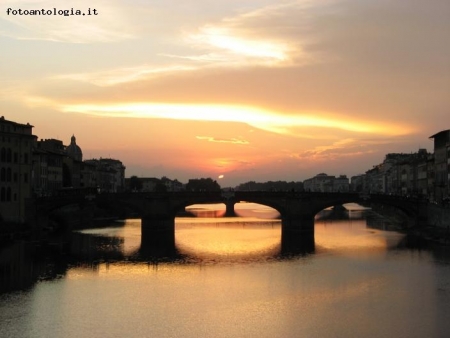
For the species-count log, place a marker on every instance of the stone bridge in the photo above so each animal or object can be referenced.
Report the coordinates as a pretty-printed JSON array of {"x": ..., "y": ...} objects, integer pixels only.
[
  {"x": 63, "y": 212},
  {"x": 297, "y": 209}
]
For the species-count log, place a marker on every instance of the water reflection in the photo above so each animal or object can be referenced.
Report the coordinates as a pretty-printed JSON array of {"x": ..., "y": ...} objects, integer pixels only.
[
  {"x": 346, "y": 230},
  {"x": 198, "y": 241},
  {"x": 235, "y": 240},
  {"x": 241, "y": 209},
  {"x": 22, "y": 264},
  {"x": 228, "y": 280}
]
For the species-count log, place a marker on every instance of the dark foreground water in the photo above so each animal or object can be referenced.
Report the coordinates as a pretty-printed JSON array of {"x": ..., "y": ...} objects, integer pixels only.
[{"x": 228, "y": 278}]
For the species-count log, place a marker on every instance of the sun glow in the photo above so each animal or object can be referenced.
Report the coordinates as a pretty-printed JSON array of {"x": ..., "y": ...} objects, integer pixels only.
[{"x": 259, "y": 118}]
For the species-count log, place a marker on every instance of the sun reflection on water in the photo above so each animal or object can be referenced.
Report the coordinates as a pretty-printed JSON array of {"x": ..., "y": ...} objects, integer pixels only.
[{"x": 227, "y": 238}]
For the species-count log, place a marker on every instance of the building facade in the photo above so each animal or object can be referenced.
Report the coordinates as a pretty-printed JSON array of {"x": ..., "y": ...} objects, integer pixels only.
[
  {"x": 16, "y": 142},
  {"x": 57, "y": 167},
  {"x": 48, "y": 173},
  {"x": 399, "y": 174},
  {"x": 110, "y": 174},
  {"x": 325, "y": 183},
  {"x": 441, "y": 164}
]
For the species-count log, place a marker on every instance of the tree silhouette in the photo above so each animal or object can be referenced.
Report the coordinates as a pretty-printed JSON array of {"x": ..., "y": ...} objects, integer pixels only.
[{"x": 135, "y": 183}]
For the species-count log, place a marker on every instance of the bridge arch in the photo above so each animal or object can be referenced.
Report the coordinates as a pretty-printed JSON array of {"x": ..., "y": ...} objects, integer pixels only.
[
  {"x": 264, "y": 202},
  {"x": 321, "y": 201},
  {"x": 228, "y": 201},
  {"x": 203, "y": 210},
  {"x": 258, "y": 210}
]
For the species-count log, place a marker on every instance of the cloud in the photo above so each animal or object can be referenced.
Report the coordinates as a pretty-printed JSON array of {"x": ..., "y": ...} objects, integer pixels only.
[
  {"x": 222, "y": 140},
  {"x": 263, "y": 119},
  {"x": 227, "y": 45},
  {"x": 124, "y": 75},
  {"x": 229, "y": 164},
  {"x": 344, "y": 149},
  {"x": 314, "y": 70},
  {"x": 271, "y": 36}
]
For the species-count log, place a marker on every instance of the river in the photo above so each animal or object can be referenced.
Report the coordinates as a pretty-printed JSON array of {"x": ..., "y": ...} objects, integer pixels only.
[{"x": 229, "y": 278}]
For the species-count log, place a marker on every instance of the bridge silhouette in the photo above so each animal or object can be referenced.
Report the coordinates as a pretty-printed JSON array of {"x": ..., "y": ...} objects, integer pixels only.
[
  {"x": 157, "y": 211},
  {"x": 297, "y": 210}
]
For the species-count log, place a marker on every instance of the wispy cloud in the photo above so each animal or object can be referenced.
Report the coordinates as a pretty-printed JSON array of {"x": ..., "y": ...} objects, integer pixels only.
[
  {"x": 341, "y": 149},
  {"x": 272, "y": 121},
  {"x": 271, "y": 35},
  {"x": 230, "y": 164},
  {"x": 124, "y": 75},
  {"x": 224, "y": 44},
  {"x": 265, "y": 37},
  {"x": 222, "y": 140}
]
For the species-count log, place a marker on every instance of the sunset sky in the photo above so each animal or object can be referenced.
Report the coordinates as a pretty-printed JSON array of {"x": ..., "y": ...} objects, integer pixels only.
[{"x": 250, "y": 89}]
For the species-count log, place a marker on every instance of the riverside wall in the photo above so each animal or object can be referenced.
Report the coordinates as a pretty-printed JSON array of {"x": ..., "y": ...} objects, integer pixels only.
[{"x": 439, "y": 216}]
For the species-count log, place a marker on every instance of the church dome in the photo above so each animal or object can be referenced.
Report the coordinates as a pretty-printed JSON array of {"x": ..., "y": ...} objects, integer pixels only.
[{"x": 73, "y": 150}]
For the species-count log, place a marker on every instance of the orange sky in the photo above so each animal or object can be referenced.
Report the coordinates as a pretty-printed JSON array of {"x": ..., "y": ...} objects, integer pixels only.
[{"x": 252, "y": 90}]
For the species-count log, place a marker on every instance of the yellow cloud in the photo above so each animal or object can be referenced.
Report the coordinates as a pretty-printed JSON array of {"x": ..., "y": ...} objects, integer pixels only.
[
  {"x": 228, "y": 41},
  {"x": 222, "y": 140},
  {"x": 259, "y": 118}
]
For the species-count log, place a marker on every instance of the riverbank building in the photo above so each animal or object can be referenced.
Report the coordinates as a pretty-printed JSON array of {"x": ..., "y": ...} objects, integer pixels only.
[{"x": 16, "y": 142}]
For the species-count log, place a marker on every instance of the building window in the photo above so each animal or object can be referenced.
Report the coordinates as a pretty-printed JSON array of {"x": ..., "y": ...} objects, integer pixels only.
[
  {"x": 9, "y": 155},
  {"x": 3, "y": 175},
  {"x": 15, "y": 177},
  {"x": 3, "y": 194},
  {"x": 3, "y": 155},
  {"x": 8, "y": 194},
  {"x": 15, "y": 197},
  {"x": 25, "y": 178},
  {"x": 25, "y": 158},
  {"x": 16, "y": 158},
  {"x": 8, "y": 175}
]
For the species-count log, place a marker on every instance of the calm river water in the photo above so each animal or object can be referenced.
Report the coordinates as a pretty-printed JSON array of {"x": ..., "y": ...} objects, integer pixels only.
[{"x": 229, "y": 279}]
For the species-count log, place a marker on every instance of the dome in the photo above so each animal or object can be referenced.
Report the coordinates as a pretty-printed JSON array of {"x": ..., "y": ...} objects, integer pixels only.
[{"x": 73, "y": 150}]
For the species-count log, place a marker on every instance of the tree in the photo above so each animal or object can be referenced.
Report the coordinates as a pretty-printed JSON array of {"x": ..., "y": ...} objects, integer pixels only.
[
  {"x": 135, "y": 183},
  {"x": 160, "y": 187},
  {"x": 202, "y": 184}
]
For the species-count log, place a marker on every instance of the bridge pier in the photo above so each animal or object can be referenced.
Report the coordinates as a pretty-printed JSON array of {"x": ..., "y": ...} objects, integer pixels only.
[
  {"x": 297, "y": 233},
  {"x": 158, "y": 232},
  {"x": 229, "y": 211}
]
